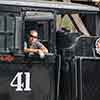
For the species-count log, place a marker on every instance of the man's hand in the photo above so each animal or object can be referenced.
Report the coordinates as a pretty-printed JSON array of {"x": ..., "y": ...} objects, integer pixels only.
[{"x": 41, "y": 53}]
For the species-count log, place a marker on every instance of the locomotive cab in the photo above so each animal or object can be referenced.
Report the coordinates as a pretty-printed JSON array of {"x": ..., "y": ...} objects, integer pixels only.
[{"x": 14, "y": 30}]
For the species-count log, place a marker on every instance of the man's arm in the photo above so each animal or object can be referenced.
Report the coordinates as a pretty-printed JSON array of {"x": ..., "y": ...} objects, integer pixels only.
[
  {"x": 28, "y": 50},
  {"x": 42, "y": 48}
]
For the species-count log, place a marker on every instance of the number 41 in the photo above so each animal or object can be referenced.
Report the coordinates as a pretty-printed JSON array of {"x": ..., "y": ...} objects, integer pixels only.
[{"x": 21, "y": 86}]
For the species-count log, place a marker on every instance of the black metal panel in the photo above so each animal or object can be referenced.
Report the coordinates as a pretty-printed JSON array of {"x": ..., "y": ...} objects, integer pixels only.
[
  {"x": 42, "y": 80},
  {"x": 85, "y": 46},
  {"x": 80, "y": 79},
  {"x": 88, "y": 80},
  {"x": 67, "y": 83}
]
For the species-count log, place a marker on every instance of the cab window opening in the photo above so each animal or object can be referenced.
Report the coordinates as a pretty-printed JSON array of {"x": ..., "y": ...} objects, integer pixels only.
[
  {"x": 41, "y": 27},
  {"x": 42, "y": 23}
]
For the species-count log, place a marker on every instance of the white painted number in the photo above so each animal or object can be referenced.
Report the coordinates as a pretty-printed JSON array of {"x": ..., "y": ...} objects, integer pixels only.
[
  {"x": 19, "y": 84},
  {"x": 27, "y": 81}
]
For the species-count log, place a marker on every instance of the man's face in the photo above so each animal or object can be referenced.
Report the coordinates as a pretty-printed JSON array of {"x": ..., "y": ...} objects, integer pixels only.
[{"x": 33, "y": 37}]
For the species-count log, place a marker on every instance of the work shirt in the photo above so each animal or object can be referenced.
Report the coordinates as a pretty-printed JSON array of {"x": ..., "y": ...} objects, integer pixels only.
[{"x": 35, "y": 45}]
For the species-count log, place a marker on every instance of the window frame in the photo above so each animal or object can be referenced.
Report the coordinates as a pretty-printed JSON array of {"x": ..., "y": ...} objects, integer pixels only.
[{"x": 6, "y": 33}]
